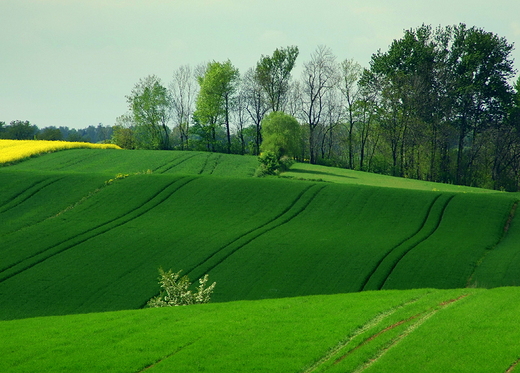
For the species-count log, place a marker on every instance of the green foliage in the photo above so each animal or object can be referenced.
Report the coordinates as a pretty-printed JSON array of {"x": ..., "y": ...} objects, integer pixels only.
[
  {"x": 124, "y": 137},
  {"x": 149, "y": 105},
  {"x": 446, "y": 86},
  {"x": 175, "y": 290},
  {"x": 50, "y": 133},
  {"x": 214, "y": 101},
  {"x": 18, "y": 130},
  {"x": 281, "y": 135},
  {"x": 270, "y": 164},
  {"x": 273, "y": 73}
]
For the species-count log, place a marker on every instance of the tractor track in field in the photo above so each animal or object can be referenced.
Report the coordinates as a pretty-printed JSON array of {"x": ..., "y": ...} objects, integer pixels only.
[
  {"x": 386, "y": 265},
  {"x": 513, "y": 366},
  {"x": 172, "y": 164},
  {"x": 295, "y": 208},
  {"x": 420, "y": 318},
  {"x": 205, "y": 164},
  {"x": 414, "y": 321},
  {"x": 177, "y": 350},
  {"x": 372, "y": 323},
  {"x": 75, "y": 161},
  {"x": 58, "y": 248},
  {"x": 512, "y": 213},
  {"x": 28, "y": 193},
  {"x": 215, "y": 165}
]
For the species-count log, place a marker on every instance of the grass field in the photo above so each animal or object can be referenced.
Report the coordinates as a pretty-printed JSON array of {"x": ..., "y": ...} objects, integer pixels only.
[
  {"x": 143, "y": 161},
  {"x": 305, "y": 171},
  {"x": 426, "y": 330},
  {"x": 85, "y": 230},
  {"x": 258, "y": 238}
]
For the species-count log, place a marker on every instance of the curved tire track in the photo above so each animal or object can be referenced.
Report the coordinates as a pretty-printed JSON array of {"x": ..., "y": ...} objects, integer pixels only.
[
  {"x": 302, "y": 201},
  {"x": 169, "y": 165},
  {"x": 377, "y": 278},
  {"x": 49, "y": 252},
  {"x": 27, "y": 194}
]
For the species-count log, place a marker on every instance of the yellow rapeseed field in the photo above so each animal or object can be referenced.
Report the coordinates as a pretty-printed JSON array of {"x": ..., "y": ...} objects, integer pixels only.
[{"x": 14, "y": 150}]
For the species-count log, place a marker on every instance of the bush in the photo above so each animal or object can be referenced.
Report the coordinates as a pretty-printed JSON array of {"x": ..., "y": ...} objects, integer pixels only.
[
  {"x": 175, "y": 290},
  {"x": 270, "y": 164}
]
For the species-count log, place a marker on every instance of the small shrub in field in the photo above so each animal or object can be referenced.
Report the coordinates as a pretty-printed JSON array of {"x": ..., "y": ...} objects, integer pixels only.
[
  {"x": 175, "y": 290},
  {"x": 270, "y": 164}
]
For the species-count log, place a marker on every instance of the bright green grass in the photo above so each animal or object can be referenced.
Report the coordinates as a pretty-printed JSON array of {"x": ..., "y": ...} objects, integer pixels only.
[
  {"x": 305, "y": 171},
  {"x": 133, "y": 161},
  {"x": 424, "y": 330}
]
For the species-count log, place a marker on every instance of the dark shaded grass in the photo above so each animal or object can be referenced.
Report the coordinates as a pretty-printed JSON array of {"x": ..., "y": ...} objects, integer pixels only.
[{"x": 28, "y": 198}]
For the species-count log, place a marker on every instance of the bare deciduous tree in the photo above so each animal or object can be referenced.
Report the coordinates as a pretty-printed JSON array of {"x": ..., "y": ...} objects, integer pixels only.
[
  {"x": 320, "y": 74},
  {"x": 183, "y": 90}
]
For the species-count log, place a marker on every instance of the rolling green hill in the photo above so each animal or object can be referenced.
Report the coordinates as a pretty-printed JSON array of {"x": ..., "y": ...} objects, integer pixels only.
[
  {"x": 71, "y": 222},
  {"x": 85, "y": 231},
  {"x": 462, "y": 330}
]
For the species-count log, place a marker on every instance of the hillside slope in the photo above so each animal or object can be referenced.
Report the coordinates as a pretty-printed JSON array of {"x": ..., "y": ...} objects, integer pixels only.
[
  {"x": 85, "y": 240},
  {"x": 463, "y": 330}
]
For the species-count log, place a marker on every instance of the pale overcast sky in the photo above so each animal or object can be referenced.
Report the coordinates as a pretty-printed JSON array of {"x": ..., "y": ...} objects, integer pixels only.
[{"x": 71, "y": 62}]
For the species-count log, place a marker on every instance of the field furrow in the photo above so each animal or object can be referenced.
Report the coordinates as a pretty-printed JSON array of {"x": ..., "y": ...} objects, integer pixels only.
[
  {"x": 205, "y": 164},
  {"x": 294, "y": 209},
  {"x": 49, "y": 252},
  {"x": 176, "y": 162},
  {"x": 444, "y": 259},
  {"x": 27, "y": 193},
  {"x": 337, "y": 352},
  {"x": 388, "y": 263}
]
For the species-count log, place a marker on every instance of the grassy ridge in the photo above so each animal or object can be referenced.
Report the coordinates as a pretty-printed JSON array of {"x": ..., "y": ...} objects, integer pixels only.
[
  {"x": 388, "y": 331},
  {"x": 75, "y": 238},
  {"x": 305, "y": 171},
  {"x": 27, "y": 198},
  {"x": 129, "y": 161},
  {"x": 118, "y": 238},
  {"x": 258, "y": 238}
]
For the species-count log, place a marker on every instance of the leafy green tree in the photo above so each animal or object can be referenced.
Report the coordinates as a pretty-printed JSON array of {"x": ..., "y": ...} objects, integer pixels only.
[
  {"x": 273, "y": 73},
  {"x": 215, "y": 100},
  {"x": 176, "y": 290},
  {"x": 481, "y": 66},
  {"x": 281, "y": 135},
  {"x": 19, "y": 130},
  {"x": 50, "y": 133},
  {"x": 149, "y": 104},
  {"x": 407, "y": 80},
  {"x": 440, "y": 87}
]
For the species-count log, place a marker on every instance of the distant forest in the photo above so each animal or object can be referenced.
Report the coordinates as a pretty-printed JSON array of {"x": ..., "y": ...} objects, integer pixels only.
[
  {"x": 24, "y": 130},
  {"x": 441, "y": 104}
]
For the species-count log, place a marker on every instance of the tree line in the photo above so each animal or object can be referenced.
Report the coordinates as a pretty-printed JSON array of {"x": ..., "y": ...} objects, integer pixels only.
[
  {"x": 440, "y": 105},
  {"x": 24, "y": 130}
]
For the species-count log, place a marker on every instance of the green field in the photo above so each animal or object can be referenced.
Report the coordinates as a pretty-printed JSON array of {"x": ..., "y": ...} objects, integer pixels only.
[
  {"x": 463, "y": 330},
  {"x": 84, "y": 231}
]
